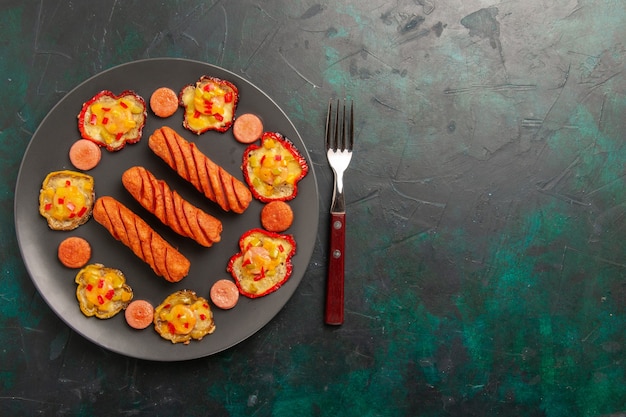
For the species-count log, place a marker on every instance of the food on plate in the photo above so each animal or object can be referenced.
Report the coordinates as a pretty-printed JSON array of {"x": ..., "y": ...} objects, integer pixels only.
[
  {"x": 205, "y": 175},
  {"x": 276, "y": 216},
  {"x": 209, "y": 104},
  {"x": 183, "y": 316},
  {"x": 139, "y": 314},
  {"x": 164, "y": 102},
  {"x": 66, "y": 199},
  {"x": 224, "y": 294},
  {"x": 113, "y": 121},
  {"x": 264, "y": 262},
  {"x": 85, "y": 154},
  {"x": 273, "y": 168},
  {"x": 168, "y": 206},
  {"x": 247, "y": 128},
  {"x": 74, "y": 252},
  {"x": 130, "y": 229},
  {"x": 102, "y": 291}
]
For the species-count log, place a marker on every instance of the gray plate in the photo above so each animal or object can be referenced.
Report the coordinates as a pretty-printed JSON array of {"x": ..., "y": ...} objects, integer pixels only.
[{"x": 48, "y": 151}]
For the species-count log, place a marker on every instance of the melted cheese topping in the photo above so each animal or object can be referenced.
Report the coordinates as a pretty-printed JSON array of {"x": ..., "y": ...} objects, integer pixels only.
[
  {"x": 101, "y": 286},
  {"x": 273, "y": 167},
  {"x": 114, "y": 117},
  {"x": 180, "y": 317},
  {"x": 208, "y": 105},
  {"x": 262, "y": 256},
  {"x": 102, "y": 291},
  {"x": 184, "y": 316},
  {"x": 65, "y": 199}
]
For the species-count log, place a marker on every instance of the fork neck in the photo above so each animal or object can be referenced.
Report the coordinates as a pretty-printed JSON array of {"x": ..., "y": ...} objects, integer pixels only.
[{"x": 338, "y": 203}]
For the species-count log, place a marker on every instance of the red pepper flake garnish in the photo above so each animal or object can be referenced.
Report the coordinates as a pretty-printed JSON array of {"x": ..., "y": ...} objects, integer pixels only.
[
  {"x": 61, "y": 200},
  {"x": 82, "y": 211},
  {"x": 186, "y": 325},
  {"x": 171, "y": 328},
  {"x": 68, "y": 183},
  {"x": 100, "y": 283},
  {"x": 288, "y": 151},
  {"x": 166, "y": 306},
  {"x": 205, "y": 305},
  {"x": 48, "y": 206},
  {"x": 93, "y": 115},
  {"x": 246, "y": 262},
  {"x": 260, "y": 276},
  {"x": 202, "y": 317},
  {"x": 72, "y": 215},
  {"x": 206, "y": 95},
  {"x": 100, "y": 299},
  {"x": 278, "y": 157},
  {"x": 178, "y": 316},
  {"x": 89, "y": 287},
  {"x": 109, "y": 295},
  {"x": 247, "y": 286},
  {"x": 196, "y": 114},
  {"x": 262, "y": 159},
  {"x": 119, "y": 136}
]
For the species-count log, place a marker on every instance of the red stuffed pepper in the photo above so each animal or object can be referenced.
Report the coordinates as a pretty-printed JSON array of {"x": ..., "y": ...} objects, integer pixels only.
[
  {"x": 209, "y": 104},
  {"x": 273, "y": 168},
  {"x": 112, "y": 120},
  {"x": 264, "y": 262}
]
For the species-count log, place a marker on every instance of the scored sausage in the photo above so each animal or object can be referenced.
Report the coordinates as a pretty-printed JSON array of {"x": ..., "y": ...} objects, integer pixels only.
[
  {"x": 168, "y": 206},
  {"x": 205, "y": 175},
  {"x": 127, "y": 227}
]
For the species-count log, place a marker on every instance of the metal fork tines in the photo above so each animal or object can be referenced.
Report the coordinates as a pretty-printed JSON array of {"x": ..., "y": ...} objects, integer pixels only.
[{"x": 339, "y": 145}]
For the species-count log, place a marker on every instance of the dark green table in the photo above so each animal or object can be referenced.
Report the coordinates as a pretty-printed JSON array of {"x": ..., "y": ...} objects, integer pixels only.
[{"x": 486, "y": 259}]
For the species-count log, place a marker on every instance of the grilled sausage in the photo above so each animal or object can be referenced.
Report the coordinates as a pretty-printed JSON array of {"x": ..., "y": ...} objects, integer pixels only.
[
  {"x": 205, "y": 175},
  {"x": 168, "y": 206},
  {"x": 127, "y": 227}
]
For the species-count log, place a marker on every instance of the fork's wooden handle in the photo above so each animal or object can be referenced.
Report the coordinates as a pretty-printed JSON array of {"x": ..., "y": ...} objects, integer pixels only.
[{"x": 334, "y": 286}]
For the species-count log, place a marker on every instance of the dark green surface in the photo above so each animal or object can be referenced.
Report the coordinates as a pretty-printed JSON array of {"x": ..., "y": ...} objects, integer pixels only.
[{"x": 485, "y": 272}]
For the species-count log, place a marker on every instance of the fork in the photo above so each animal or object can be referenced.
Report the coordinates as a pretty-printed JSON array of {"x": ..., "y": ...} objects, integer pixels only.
[{"x": 339, "y": 144}]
